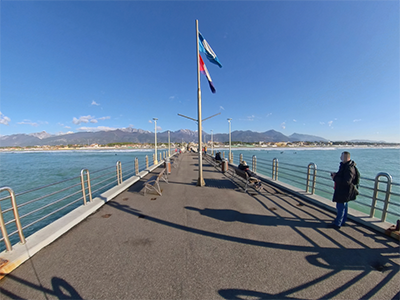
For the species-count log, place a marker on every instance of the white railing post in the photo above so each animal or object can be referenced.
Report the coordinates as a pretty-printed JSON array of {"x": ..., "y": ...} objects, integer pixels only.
[{"x": 83, "y": 172}]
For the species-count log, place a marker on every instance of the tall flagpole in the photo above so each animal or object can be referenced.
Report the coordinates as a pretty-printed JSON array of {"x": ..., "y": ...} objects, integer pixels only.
[{"x": 200, "y": 180}]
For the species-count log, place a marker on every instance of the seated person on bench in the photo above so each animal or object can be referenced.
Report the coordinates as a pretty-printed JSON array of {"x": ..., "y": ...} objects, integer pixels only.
[
  {"x": 218, "y": 156},
  {"x": 252, "y": 177}
]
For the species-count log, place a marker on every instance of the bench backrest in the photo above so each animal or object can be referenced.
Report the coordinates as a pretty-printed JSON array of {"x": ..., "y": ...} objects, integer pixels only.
[
  {"x": 161, "y": 174},
  {"x": 242, "y": 173}
]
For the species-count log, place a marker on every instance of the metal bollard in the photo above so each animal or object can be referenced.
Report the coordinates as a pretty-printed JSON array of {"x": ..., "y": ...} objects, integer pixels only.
[
  {"x": 254, "y": 163},
  {"x": 136, "y": 166}
]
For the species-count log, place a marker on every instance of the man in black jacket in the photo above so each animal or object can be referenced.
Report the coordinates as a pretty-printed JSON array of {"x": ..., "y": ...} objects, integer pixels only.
[{"x": 344, "y": 188}]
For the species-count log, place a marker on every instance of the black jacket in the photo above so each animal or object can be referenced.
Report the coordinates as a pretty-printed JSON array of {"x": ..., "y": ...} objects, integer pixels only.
[
  {"x": 246, "y": 169},
  {"x": 344, "y": 187}
]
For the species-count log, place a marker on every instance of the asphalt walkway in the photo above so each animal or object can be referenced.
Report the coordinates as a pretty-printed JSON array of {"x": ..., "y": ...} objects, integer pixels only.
[{"x": 213, "y": 242}]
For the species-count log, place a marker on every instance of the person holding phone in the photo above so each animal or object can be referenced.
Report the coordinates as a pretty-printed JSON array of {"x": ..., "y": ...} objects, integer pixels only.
[{"x": 344, "y": 188}]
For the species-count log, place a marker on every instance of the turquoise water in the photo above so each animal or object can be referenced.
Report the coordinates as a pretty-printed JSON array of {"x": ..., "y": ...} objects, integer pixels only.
[
  {"x": 370, "y": 162},
  {"x": 24, "y": 171}
]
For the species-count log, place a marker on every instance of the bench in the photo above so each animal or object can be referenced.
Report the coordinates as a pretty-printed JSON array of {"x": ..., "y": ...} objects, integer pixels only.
[
  {"x": 153, "y": 182},
  {"x": 246, "y": 177}
]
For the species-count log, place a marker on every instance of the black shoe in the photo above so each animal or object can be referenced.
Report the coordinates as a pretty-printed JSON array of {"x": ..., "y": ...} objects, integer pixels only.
[{"x": 333, "y": 226}]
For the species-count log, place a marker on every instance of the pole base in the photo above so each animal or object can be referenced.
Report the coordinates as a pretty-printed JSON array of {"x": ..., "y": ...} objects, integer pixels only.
[{"x": 200, "y": 182}]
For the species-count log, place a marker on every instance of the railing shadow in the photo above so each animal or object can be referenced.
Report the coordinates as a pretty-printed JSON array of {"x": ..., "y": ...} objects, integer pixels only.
[
  {"x": 365, "y": 259},
  {"x": 61, "y": 288},
  {"x": 230, "y": 215}
]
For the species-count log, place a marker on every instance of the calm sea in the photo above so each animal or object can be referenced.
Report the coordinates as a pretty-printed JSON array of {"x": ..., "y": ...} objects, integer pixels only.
[
  {"x": 26, "y": 170},
  {"x": 23, "y": 171}
]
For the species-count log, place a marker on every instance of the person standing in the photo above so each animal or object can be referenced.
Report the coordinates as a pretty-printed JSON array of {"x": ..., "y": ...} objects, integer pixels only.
[{"x": 345, "y": 189}]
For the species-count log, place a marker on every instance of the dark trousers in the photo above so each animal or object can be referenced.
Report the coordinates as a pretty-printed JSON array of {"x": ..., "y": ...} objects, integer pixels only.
[{"x": 341, "y": 216}]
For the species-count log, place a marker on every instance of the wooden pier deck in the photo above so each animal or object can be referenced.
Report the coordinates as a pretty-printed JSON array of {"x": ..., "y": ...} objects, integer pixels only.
[{"x": 212, "y": 242}]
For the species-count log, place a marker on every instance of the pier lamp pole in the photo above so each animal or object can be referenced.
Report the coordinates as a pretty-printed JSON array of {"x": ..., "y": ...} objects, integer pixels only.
[
  {"x": 212, "y": 143},
  {"x": 230, "y": 154},
  {"x": 169, "y": 145},
  {"x": 155, "y": 140}
]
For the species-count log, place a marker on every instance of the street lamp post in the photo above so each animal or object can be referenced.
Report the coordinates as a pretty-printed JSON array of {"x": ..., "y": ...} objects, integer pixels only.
[
  {"x": 212, "y": 144},
  {"x": 230, "y": 154},
  {"x": 169, "y": 145},
  {"x": 155, "y": 140}
]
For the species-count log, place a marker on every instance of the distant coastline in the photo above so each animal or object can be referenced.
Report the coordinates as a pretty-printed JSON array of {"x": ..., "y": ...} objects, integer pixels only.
[{"x": 148, "y": 148}]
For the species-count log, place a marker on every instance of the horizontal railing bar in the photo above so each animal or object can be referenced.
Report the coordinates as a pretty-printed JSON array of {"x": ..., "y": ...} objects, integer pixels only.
[
  {"x": 362, "y": 203},
  {"x": 52, "y": 213},
  {"x": 105, "y": 174},
  {"x": 112, "y": 167},
  {"x": 367, "y": 196},
  {"x": 48, "y": 205},
  {"x": 323, "y": 176},
  {"x": 366, "y": 187},
  {"x": 324, "y": 184},
  {"x": 322, "y": 190},
  {"x": 45, "y": 196},
  {"x": 93, "y": 192},
  {"x": 45, "y": 186},
  {"x": 301, "y": 183},
  {"x": 296, "y": 171},
  {"x": 287, "y": 164},
  {"x": 100, "y": 182},
  {"x": 5, "y": 198},
  {"x": 9, "y": 222},
  {"x": 292, "y": 175},
  {"x": 393, "y": 213},
  {"x": 12, "y": 233}
]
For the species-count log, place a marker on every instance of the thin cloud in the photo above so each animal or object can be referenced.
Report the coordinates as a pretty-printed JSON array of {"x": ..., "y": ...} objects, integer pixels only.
[
  {"x": 150, "y": 121},
  {"x": 283, "y": 125},
  {"x": 159, "y": 128},
  {"x": 104, "y": 118},
  {"x": 4, "y": 119},
  {"x": 28, "y": 122},
  {"x": 83, "y": 119},
  {"x": 171, "y": 97},
  {"x": 62, "y": 125},
  {"x": 322, "y": 123},
  {"x": 294, "y": 120},
  {"x": 95, "y": 103},
  {"x": 269, "y": 115},
  {"x": 330, "y": 123},
  {"x": 98, "y": 128},
  {"x": 221, "y": 108},
  {"x": 357, "y": 120}
]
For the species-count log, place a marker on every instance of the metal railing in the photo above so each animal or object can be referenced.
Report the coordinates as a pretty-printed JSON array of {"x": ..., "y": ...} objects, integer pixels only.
[
  {"x": 27, "y": 212},
  {"x": 379, "y": 197}
]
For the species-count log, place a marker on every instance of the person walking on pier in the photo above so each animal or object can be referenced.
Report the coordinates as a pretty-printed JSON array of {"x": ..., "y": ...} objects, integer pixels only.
[{"x": 345, "y": 190}]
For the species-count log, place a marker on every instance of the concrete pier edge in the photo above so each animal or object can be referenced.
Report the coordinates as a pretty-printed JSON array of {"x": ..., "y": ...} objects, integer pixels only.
[{"x": 42, "y": 238}]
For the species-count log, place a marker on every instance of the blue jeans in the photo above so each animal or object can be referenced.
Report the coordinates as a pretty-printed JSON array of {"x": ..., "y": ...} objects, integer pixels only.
[{"x": 341, "y": 217}]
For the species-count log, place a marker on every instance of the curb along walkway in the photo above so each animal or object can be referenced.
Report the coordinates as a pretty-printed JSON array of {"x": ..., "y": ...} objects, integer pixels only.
[{"x": 213, "y": 242}]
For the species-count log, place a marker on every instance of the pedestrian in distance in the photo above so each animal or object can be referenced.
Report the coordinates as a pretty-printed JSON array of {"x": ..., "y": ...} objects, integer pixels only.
[
  {"x": 218, "y": 156},
  {"x": 346, "y": 182}
]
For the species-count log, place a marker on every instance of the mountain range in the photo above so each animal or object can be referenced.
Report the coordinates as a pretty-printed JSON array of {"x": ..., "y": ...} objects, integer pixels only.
[{"x": 133, "y": 135}]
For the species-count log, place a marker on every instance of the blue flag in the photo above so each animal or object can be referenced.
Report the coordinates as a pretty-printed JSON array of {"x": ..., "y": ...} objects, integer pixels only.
[{"x": 205, "y": 48}]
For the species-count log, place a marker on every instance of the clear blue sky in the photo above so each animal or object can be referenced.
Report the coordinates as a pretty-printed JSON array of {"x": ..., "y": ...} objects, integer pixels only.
[{"x": 327, "y": 68}]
